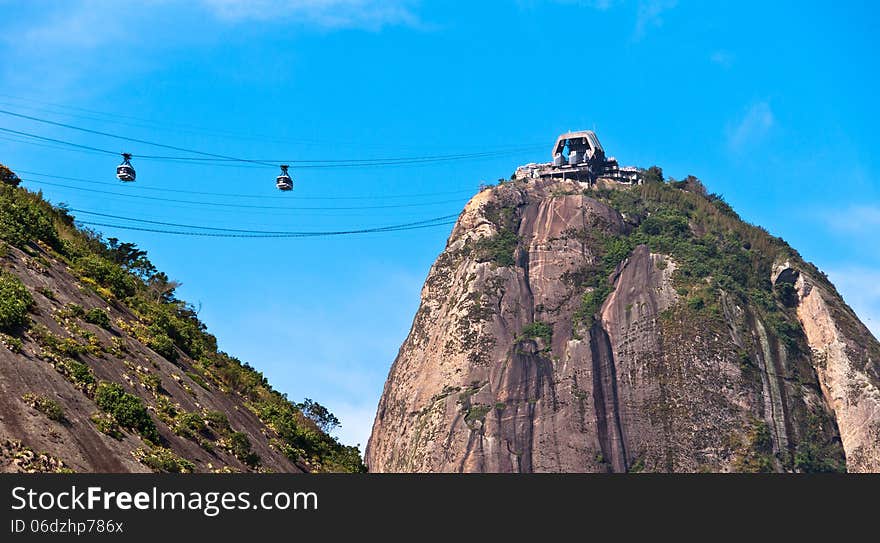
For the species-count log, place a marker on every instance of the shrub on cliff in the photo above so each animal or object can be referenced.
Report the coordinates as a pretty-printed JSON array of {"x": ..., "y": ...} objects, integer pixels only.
[
  {"x": 15, "y": 300},
  {"x": 538, "y": 329},
  {"x": 25, "y": 217},
  {"x": 97, "y": 316},
  {"x": 499, "y": 248},
  {"x": 107, "y": 274},
  {"x": 47, "y": 406},
  {"x": 128, "y": 410}
]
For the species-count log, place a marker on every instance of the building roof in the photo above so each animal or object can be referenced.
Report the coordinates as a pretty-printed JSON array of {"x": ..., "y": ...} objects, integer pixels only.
[{"x": 588, "y": 134}]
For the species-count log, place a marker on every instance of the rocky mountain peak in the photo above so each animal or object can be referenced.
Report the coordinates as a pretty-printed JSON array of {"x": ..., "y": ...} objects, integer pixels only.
[{"x": 610, "y": 327}]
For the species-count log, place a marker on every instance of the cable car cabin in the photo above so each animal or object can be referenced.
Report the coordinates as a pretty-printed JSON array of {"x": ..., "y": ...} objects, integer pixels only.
[
  {"x": 125, "y": 171},
  {"x": 577, "y": 148},
  {"x": 283, "y": 181}
]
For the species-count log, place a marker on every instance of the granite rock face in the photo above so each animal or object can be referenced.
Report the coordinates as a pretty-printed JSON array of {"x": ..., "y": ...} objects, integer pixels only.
[
  {"x": 845, "y": 356},
  {"x": 509, "y": 368}
]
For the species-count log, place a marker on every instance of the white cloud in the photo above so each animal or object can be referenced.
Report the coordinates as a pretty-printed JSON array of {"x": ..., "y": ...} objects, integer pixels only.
[
  {"x": 91, "y": 24},
  {"x": 649, "y": 14},
  {"x": 104, "y": 41},
  {"x": 860, "y": 288},
  {"x": 854, "y": 219},
  {"x": 601, "y": 5},
  {"x": 70, "y": 42},
  {"x": 331, "y": 14},
  {"x": 753, "y": 126},
  {"x": 722, "y": 58},
  {"x": 86, "y": 25}
]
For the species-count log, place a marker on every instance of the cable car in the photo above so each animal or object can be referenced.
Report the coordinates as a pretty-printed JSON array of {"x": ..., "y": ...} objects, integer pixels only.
[
  {"x": 283, "y": 181},
  {"x": 125, "y": 171}
]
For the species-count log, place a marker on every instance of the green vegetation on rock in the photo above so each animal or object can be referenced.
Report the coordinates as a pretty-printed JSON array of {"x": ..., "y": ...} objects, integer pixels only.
[
  {"x": 15, "y": 300},
  {"x": 500, "y": 248},
  {"x": 47, "y": 406},
  {"x": 713, "y": 249},
  {"x": 164, "y": 460},
  {"x": 98, "y": 317},
  {"x": 128, "y": 410},
  {"x": 538, "y": 330}
]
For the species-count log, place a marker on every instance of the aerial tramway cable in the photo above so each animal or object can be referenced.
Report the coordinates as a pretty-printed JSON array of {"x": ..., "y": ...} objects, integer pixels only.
[
  {"x": 239, "y": 195},
  {"x": 133, "y": 140},
  {"x": 301, "y": 163},
  {"x": 246, "y": 235},
  {"x": 390, "y": 228},
  {"x": 244, "y": 206},
  {"x": 219, "y": 235},
  {"x": 125, "y": 172},
  {"x": 114, "y": 118}
]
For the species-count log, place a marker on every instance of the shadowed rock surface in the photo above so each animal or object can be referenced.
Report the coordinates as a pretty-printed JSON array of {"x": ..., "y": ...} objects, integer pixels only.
[{"x": 617, "y": 329}]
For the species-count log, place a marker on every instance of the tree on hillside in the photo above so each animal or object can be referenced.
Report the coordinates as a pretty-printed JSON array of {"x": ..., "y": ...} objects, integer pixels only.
[
  {"x": 8, "y": 177},
  {"x": 654, "y": 174},
  {"x": 319, "y": 414}
]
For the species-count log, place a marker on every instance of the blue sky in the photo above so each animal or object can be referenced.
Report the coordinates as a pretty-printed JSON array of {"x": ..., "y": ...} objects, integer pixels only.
[{"x": 773, "y": 105}]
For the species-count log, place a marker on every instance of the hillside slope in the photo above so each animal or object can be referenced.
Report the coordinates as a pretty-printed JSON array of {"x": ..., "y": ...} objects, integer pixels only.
[
  {"x": 617, "y": 328},
  {"x": 103, "y": 369}
]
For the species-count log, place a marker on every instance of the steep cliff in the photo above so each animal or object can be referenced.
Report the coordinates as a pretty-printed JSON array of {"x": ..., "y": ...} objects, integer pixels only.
[
  {"x": 103, "y": 369},
  {"x": 612, "y": 328}
]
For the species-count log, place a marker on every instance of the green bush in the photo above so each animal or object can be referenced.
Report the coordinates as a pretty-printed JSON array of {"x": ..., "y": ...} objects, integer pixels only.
[
  {"x": 696, "y": 302},
  {"x": 179, "y": 322},
  {"x": 98, "y": 317},
  {"x": 163, "y": 346},
  {"x": 151, "y": 381},
  {"x": 107, "y": 274},
  {"x": 15, "y": 300},
  {"x": 189, "y": 425},
  {"x": 106, "y": 424},
  {"x": 78, "y": 373},
  {"x": 164, "y": 460},
  {"x": 538, "y": 329},
  {"x": 25, "y": 217},
  {"x": 477, "y": 412},
  {"x": 591, "y": 302},
  {"x": 47, "y": 406},
  {"x": 128, "y": 410},
  {"x": 666, "y": 222},
  {"x": 500, "y": 248},
  {"x": 71, "y": 310},
  {"x": 240, "y": 446},
  {"x": 14, "y": 344},
  {"x": 218, "y": 422}
]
